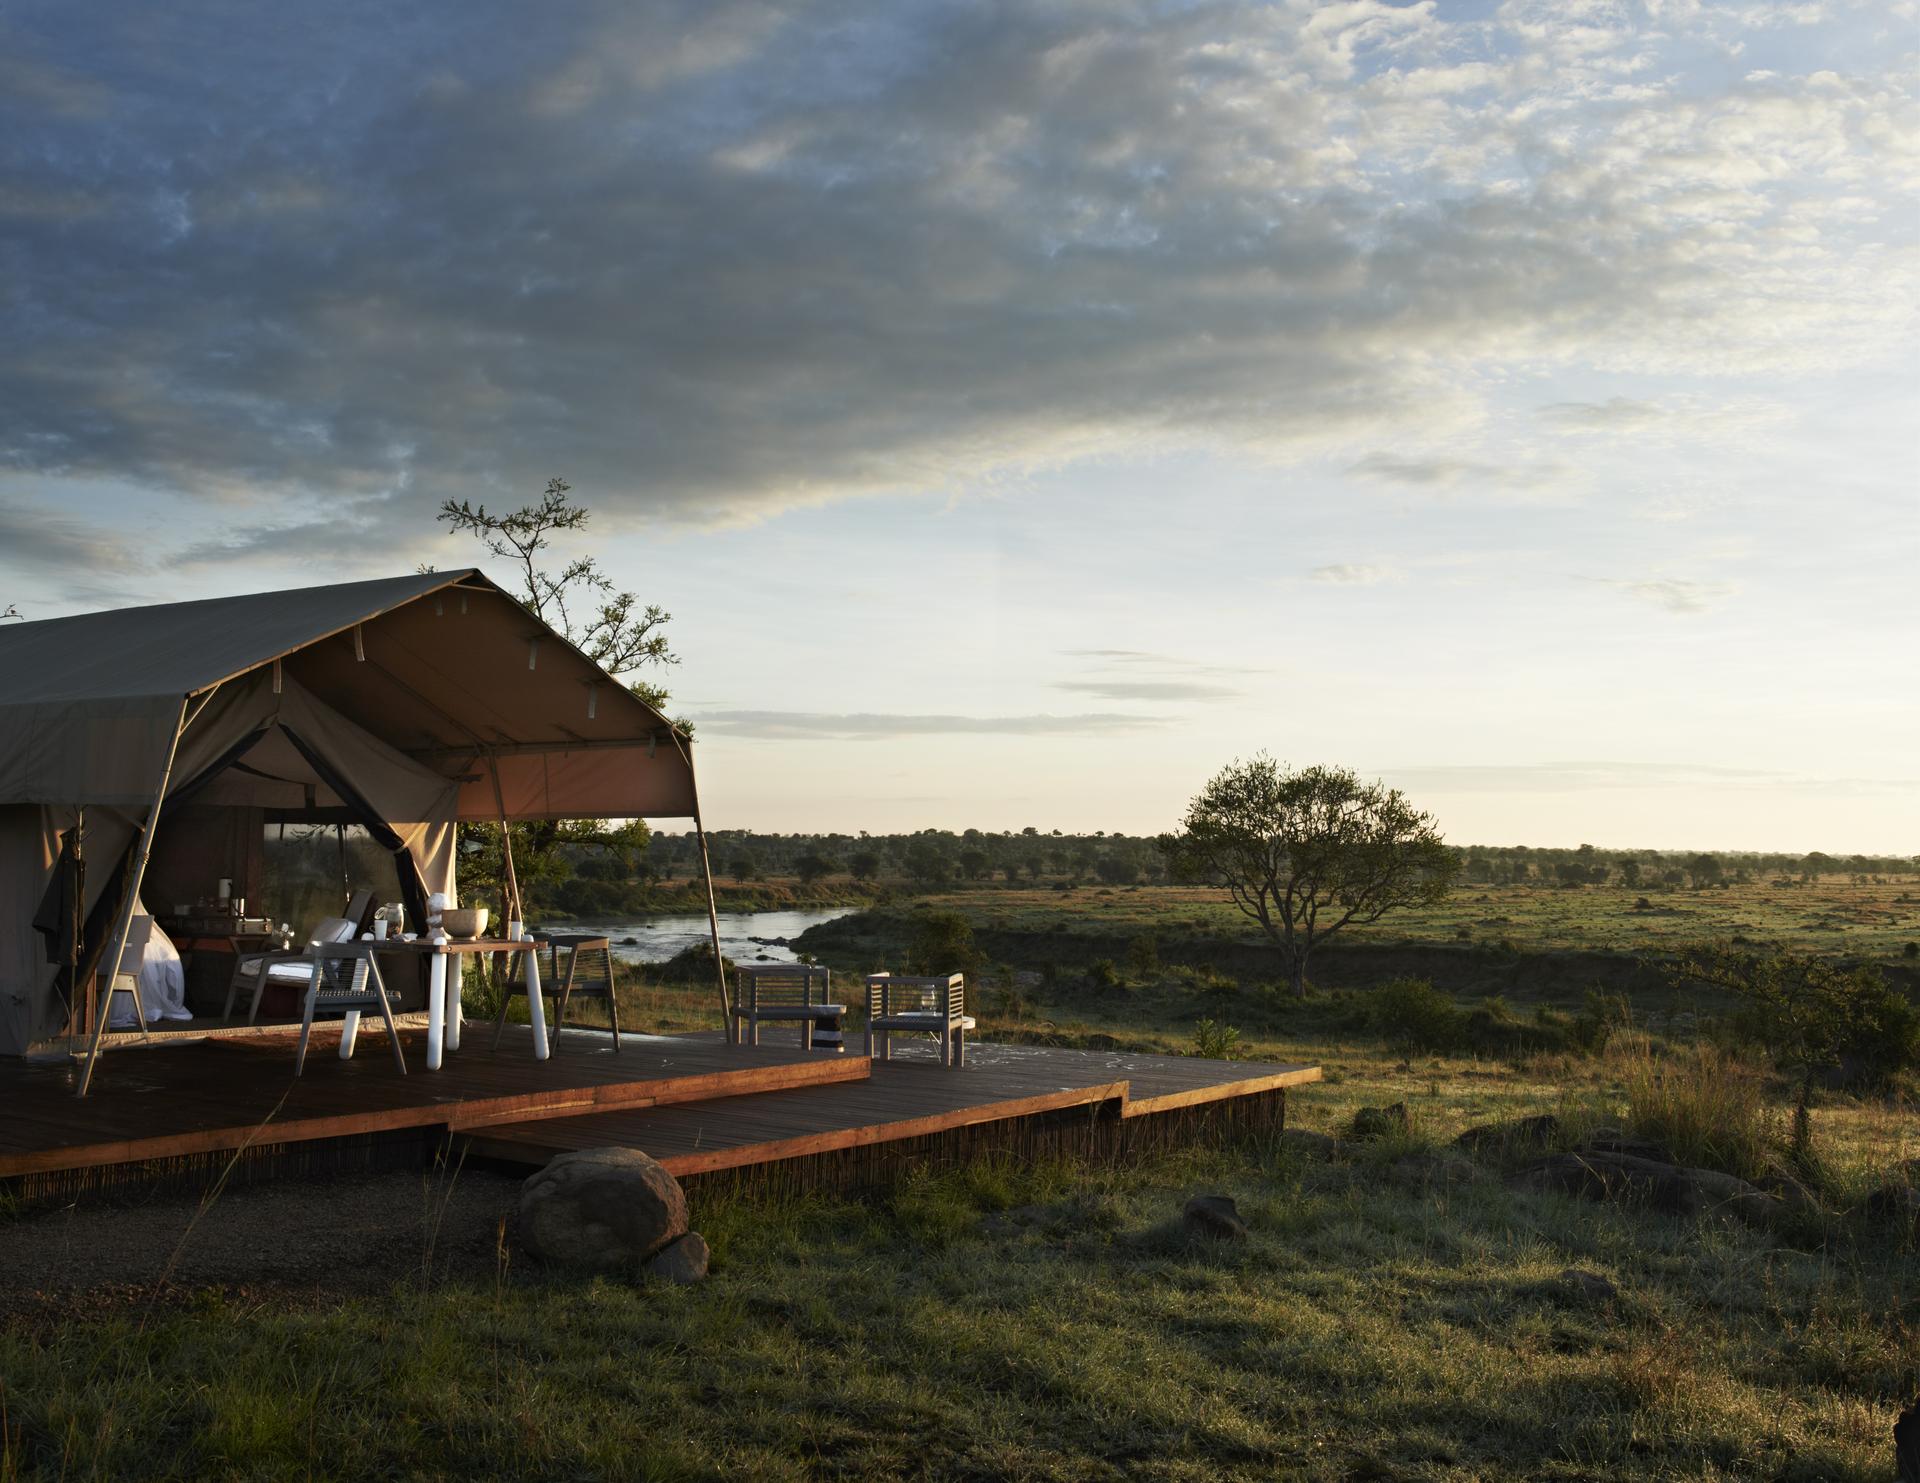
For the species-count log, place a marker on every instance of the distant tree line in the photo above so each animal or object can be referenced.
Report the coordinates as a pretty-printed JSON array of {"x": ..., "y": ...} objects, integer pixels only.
[
  {"x": 620, "y": 874},
  {"x": 943, "y": 857}
]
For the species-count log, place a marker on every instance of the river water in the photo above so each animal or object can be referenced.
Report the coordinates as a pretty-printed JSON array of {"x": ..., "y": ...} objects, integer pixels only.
[{"x": 655, "y": 939}]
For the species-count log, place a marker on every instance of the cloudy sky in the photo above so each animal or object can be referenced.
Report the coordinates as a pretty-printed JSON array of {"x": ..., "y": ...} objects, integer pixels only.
[{"x": 1024, "y": 409}]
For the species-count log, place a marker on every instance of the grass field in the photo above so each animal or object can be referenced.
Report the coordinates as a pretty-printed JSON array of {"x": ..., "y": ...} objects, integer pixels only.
[
  {"x": 1393, "y": 1315},
  {"x": 1379, "y": 1323}
]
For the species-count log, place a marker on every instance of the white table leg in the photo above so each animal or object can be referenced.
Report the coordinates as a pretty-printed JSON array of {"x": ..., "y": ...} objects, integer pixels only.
[
  {"x": 349, "y": 1032},
  {"x": 436, "y": 1008},
  {"x": 536, "y": 1010},
  {"x": 454, "y": 1016}
]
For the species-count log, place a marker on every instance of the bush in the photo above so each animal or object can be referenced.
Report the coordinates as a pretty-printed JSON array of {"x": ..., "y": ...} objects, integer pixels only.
[
  {"x": 1143, "y": 954},
  {"x": 1205, "y": 980},
  {"x": 942, "y": 942},
  {"x": 1102, "y": 974},
  {"x": 1214, "y": 1042},
  {"x": 1412, "y": 1015}
]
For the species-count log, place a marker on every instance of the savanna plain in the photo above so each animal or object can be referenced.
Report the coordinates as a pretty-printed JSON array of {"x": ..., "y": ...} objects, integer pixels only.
[{"x": 1404, "y": 1304}]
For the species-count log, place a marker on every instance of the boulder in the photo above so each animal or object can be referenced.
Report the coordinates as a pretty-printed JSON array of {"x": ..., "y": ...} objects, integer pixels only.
[
  {"x": 1309, "y": 1145},
  {"x": 1588, "y": 1287},
  {"x": 1215, "y": 1217},
  {"x": 682, "y": 1262},
  {"x": 1898, "y": 1203},
  {"x": 1614, "y": 1141},
  {"x": 1622, "y": 1179},
  {"x": 1435, "y": 1166},
  {"x": 601, "y": 1210},
  {"x": 1381, "y": 1122},
  {"x": 1515, "y": 1133}
]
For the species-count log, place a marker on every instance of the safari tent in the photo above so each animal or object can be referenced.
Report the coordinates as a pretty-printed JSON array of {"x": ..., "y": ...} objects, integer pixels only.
[{"x": 407, "y": 705}]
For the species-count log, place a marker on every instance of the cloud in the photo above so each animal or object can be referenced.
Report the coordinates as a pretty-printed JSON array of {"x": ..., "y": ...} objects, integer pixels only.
[
  {"x": 875, "y": 726},
  {"x": 1672, "y": 593},
  {"x": 1439, "y": 474},
  {"x": 36, "y": 537},
  {"x": 1577, "y": 777},
  {"x": 1616, "y": 414},
  {"x": 1348, "y": 574},
  {"x": 1149, "y": 690},
  {"x": 1563, "y": 777},
  {"x": 1166, "y": 663},
  {"x": 711, "y": 261}
]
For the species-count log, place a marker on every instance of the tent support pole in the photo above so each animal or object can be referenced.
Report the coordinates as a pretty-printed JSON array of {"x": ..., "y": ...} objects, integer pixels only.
[
  {"x": 515, "y": 911},
  {"x": 730, "y": 1029},
  {"x": 103, "y": 1010}
]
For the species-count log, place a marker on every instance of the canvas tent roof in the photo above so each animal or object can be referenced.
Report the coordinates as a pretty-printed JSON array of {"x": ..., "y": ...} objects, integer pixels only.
[{"x": 445, "y": 667}]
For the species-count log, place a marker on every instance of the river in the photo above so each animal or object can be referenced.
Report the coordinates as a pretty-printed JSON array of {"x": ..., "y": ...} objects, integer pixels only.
[{"x": 745, "y": 936}]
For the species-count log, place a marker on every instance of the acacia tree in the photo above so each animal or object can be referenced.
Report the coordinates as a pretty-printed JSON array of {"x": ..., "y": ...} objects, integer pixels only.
[
  {"x": 610, "y": 627},
  {"x": 1307, "y": 852},
  {"x": 579, "y": 600}
]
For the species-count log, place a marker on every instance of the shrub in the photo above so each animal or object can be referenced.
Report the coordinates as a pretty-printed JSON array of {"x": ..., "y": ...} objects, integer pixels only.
[
  {"x": 1143, "y": 954},
  {"x": 1214, "y": 1042},
  {"x": 1599, "y": 1018},
  {"x": 942, "y": 942},
  {"x": 1412, "y": 1015},
  {"x": 1102, "y": 974},
  {"x": 1206, "y": 980}
]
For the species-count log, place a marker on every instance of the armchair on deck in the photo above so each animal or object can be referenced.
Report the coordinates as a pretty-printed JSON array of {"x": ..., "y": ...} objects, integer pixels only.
[
  {"x": 294, "y": 970},
  {"x": 785, "y": 991},
  {"x": 903, "y": 1004}
]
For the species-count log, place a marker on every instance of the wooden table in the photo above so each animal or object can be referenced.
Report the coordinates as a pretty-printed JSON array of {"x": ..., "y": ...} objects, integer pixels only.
[{"x": 443, "y": 997}]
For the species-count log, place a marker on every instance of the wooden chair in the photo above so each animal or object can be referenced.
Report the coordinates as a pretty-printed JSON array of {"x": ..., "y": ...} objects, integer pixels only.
[
  {"x": 127, "y": 979},
  {"x": 784, "y": 991},
  {"x": 899, "y": 1003},
  {"x": 344, "y": 978},
  {"x": 589, "y": 971}
]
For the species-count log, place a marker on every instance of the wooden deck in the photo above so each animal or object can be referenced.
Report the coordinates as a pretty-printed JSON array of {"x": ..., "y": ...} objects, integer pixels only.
[
  {"x": 195, "y": 1111},
  {"x": 216, "y": 1095},
  {"x": 905, "y": 1099}
]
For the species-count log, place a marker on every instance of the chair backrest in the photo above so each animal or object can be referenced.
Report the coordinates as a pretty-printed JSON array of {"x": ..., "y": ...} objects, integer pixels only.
[
  {"x": 346, "y": 967},
  {"x": 779, "y": 984},
  {"x": 139, "y": 934},
  {"x": 332, "y": 929},
  {"x": 590, "y": 961},
  {"x": 360, "y": 908},
  {"x": 907, "y": 993}
]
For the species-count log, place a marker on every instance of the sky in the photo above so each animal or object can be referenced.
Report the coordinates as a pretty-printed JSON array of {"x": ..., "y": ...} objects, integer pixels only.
[{"x": 1026, "y": 409}]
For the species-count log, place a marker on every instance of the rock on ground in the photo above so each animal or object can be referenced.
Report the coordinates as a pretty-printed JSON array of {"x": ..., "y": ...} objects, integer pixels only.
[
  {"x": 1519, "y": 1132},
  {"x": 1309, "y": 1145},
  {"x": 1622, "y": 1179},
  {"x": 1906, "y": 1445},
  {"x": 682, "y": 1262},
  {"x": 601, "y": 1210},
  {"x": 1589, "y": 1287},
  {"x": 1214, "y": 1216},
  {"x": 1435, "y": 1166}
]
